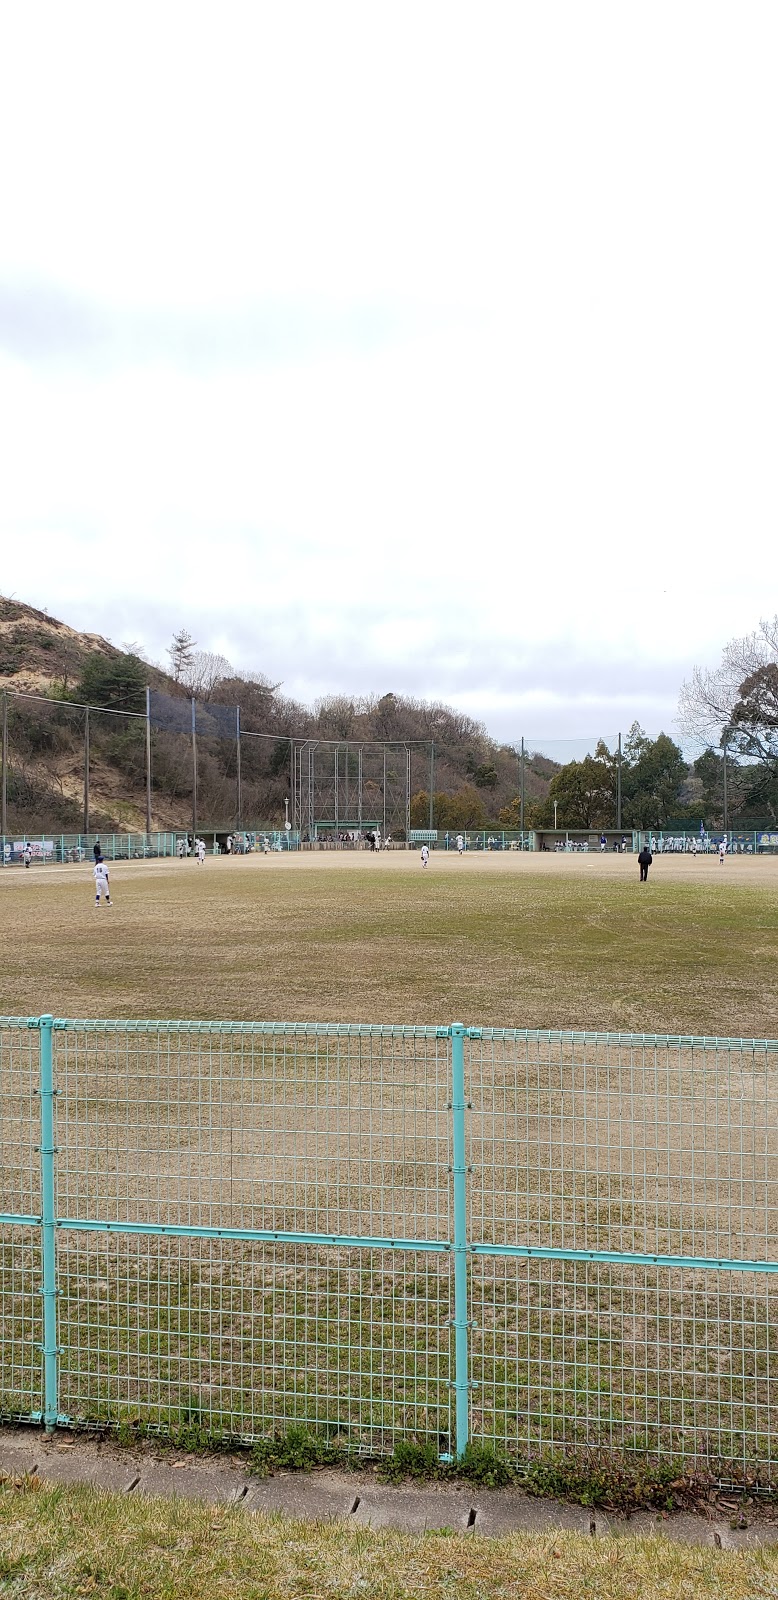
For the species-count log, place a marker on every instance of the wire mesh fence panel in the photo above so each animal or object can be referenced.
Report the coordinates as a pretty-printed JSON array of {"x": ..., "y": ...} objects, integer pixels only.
[
  {"x": 20, "y": 1179},
  {"x": 317, "y": 1129},
  {"x": 21, "y": 1367},
  {"x": 628, "y": 1358},
  {"x": 635, "y": 1148},
  {"x": 330, "y": 1133},
  {"x": 20, "y": 1264},
  {"x": 262, "y": 1224},
  {"x": 246, "y": 1339},
  {"x": 598, "y": 1142}
]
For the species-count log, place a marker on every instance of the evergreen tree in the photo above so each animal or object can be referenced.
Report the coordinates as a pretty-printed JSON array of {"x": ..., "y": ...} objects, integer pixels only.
[{"x": 180, "y": 652}]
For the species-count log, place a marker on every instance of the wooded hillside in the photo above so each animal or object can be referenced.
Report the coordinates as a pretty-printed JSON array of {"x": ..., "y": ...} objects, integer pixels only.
[{"x": 51, "y": 672}]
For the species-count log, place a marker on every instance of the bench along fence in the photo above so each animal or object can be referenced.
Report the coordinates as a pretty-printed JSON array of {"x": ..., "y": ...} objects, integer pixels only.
[{"x": 535, "y": 1239}]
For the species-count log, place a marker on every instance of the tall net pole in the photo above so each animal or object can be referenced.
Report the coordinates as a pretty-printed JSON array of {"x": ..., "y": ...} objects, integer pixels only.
[
  {"x": 148, "y": 761},
  {"x": 86, "y": 770},
  {"x": 4, "y": 800},
  {"x": 407, "y": 791},
  {"x": 726, "y": 805},
  {"x": 618, "y": 787},
  {"x": 311, "y": 787},
  {"x": 359, "y": 788},
  {"x": 237, "y": 767},
  {"x": 432, "y": 785},
  {"x": 521, "y": 792},
  {"x": 194, "y": 768}
]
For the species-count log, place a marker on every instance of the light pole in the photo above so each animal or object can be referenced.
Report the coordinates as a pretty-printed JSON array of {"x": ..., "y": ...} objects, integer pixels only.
[{"x": 556, "y": 803}]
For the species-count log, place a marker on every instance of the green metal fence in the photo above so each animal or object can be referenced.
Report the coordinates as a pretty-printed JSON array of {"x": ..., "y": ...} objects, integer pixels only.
[
  {"x": 51, "y": 849},
  {"x": 538, "y": 1239}
]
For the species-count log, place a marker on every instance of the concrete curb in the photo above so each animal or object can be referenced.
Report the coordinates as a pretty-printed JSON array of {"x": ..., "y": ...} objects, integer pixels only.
[{"x": 354, "y": 1496}]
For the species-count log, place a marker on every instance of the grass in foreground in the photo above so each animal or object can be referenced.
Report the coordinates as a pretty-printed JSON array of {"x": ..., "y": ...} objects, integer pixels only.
[{"x": 68, "y": 1543}]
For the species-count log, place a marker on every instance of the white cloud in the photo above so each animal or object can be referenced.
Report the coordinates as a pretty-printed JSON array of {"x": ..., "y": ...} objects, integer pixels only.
[{"x": 421, "y": 349}]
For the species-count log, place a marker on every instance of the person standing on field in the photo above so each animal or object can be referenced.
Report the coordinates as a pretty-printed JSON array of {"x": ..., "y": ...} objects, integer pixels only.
[
  {"x": 27, "y": 854},
  {"x": 722, "y": 850},
  {"x": 460, "y": 844},
  {"x": 102, "y": 886},
  {"x": 200, "y": 851},
  {"x": 425, "y": 854},
  {"x": 644, "y": 861},
  {"x": 97, "y": 851}
]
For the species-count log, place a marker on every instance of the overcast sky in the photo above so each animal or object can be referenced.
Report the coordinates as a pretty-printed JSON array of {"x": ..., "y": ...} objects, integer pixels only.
[{"x": 423, "y": 347}]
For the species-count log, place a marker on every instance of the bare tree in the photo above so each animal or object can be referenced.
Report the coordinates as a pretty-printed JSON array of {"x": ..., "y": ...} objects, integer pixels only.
[
  {"x": 708, "y": 699},
  {"x": 336, "y": 715},
  {"x": 260, "y": 679},
  {"x": 203, "y": 670}
]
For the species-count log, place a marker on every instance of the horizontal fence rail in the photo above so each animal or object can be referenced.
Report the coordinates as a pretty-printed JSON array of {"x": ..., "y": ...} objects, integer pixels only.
[{"x": 541, "y": 1239}]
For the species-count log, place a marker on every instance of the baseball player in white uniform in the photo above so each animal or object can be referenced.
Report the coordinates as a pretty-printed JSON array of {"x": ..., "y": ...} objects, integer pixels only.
[{"x": 100, "y": 875}]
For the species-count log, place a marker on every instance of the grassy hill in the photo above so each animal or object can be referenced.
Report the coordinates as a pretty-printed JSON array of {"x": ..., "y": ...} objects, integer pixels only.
[{"x": 51, "y": 671}]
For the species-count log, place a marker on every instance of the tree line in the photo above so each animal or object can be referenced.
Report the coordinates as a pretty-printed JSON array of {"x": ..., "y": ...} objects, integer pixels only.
[{"x": 729, "y": 712}]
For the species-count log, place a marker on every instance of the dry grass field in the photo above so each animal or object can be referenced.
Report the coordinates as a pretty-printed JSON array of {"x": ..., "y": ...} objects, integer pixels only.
[
  {"x": 590, "y": 1146},
  {"x": 504, "y": 939}
]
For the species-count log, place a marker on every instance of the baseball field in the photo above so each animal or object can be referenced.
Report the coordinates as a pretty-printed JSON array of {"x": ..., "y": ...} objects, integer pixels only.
[{"x": 540, "y": 941}]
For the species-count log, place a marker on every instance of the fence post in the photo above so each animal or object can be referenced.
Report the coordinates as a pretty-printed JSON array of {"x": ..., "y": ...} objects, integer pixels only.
[
  {"x": 48, "y": 1228},
  {"x": 459, "y": 1169}
]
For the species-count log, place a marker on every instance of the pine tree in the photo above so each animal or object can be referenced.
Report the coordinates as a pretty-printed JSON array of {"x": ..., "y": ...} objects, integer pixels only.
[{"x": 180, "y": 652}]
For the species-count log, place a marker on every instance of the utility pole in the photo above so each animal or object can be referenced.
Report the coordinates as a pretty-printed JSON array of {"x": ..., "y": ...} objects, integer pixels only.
[
  {"x": 432, "y": 786},
  {"x": 726, "y": 806}
]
